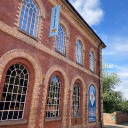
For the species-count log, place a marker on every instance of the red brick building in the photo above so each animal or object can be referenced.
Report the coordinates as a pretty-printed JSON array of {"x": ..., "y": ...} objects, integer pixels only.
[{"x": 45, "y": 81}]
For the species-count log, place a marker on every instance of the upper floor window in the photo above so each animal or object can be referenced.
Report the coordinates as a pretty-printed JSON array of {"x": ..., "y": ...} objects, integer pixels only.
[
  {"x": 53, "y": 100},
  {"x": 29, "y": 17},
  {"x": 60, "y": 40},
  {"x": 13, "y": 98},
  {"x": 76, "y": 100},
  {"x": 91, "y": 61},
  {"x": 79, "y": 52}
]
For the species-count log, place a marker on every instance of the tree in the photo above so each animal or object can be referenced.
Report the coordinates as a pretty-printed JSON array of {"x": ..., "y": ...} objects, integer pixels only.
[{"x": 112, "y": 100}]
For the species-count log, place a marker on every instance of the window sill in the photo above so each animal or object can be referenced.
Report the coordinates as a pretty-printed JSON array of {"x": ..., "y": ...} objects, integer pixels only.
[
  {"x": 92, "y": 71},
  {"x": 75, "y": 117},
  {"x": 52, "y": 119},
  {"x": 13, "y": 122},
  {"x": 26, "y": 33},
  {"x": 60, "y": 53},
  {"x": 79, "y": 64},
  {"x": 92, "y": 122}
]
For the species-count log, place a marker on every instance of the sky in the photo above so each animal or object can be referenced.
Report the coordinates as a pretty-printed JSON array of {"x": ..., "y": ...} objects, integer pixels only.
[{"x": 109, "y": 19}]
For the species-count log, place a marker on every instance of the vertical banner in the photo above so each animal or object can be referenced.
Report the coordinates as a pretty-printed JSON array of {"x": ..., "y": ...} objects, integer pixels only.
[
  {"x": 92, "y": 104},
  {"x": 55, "y": 20}
]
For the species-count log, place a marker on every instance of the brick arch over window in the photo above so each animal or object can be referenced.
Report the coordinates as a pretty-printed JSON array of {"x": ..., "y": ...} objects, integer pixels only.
[
  {"x": 84, "y": 91},
  {"x": 20, "y": 53},
  {"x": 80, "y": 39},
  {"x": 41, "y": 9},
  {"x": 94, "y": 55},
  {"x": 97, "y": 95},
  {"x": 61, "y": 70}
]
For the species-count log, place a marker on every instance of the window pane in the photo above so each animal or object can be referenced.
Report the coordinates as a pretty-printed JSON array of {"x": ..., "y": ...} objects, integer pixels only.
[
  {"x": 91, "y": 61},
  {"x": 53, "y": 100},
  {"x": 60, "y": 40},
  {"x": 29, "y": 15},
  {"x": 79, "y": 53},
  {"x": 76, "y": 100},
  {"x": 14, "y": 94}
]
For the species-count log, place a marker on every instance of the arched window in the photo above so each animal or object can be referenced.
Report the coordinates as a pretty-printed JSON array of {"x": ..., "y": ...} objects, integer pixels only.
[
  {"x": 60, "y": 40},
  {"x": 53, "y": 100},
  {"x": 92, "y": 104},
  {"x": 29, "y": 17},
  {"x": 76, "y": 100},
  {"x": 13, "y": 99},
  {"x": 91, "y": 61},
  {"x": 79, "y": 53}
]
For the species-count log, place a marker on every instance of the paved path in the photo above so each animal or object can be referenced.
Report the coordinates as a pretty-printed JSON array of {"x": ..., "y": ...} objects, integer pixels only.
[{"x": 122, "y": 125}]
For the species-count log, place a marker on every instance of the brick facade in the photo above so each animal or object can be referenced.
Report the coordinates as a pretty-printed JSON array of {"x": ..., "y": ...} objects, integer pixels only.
[
  {"x": 115, "y": 118},
  {"x": 43, "y": 61}
]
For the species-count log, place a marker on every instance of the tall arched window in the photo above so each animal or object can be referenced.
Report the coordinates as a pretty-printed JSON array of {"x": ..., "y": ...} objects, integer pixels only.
[
  {"x": 76, "y": 100},
  {"x": 79, "y": 52},
  {"x": 29, "y": 17},
  {"x": 53, "y": 100},
  {"x": 13, "y": 99},
  {"x": 60, "y": 40},
  {"x": 92, "y": 104},
  {"x": 91, "y": 61}
]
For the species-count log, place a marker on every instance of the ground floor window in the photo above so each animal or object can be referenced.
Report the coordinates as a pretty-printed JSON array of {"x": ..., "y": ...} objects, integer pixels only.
[
  {"x": 53, "y": 100},
  {"x": 14, "y": 93},
  {"x": 76, "y": 100}
]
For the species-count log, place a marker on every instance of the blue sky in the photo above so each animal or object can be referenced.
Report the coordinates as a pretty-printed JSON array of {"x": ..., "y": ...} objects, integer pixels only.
[{"x": 109, "y": 19}]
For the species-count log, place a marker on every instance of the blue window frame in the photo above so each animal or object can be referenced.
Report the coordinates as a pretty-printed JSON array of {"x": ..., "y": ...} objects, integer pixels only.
[
  {"x": 79, "y": 52},
  {"x": 60, "y": 40},
  {"x": 29, "y": 17}
]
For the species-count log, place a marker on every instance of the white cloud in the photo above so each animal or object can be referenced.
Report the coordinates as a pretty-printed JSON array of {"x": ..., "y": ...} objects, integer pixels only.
[
  {"x": 122, "y": 72},
  {"x": 116, "y": 45},
  {"x": 110, "y": 66},
  {"x": 90, "y": 10},
  {"x": 116, "y": 53},
  {"x": 123, "y": 88}
]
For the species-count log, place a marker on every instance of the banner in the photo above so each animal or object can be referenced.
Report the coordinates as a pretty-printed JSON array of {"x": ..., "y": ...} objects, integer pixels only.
[
  {"x": 92, "y": 104},
  {"x": 55, "y": 20}
]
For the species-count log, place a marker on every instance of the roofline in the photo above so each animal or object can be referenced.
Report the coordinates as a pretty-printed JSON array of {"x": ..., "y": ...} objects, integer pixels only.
[{"x": 103, "y": 44}]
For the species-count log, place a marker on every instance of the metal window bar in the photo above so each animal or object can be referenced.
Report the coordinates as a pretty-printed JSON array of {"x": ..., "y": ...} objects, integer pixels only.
[
  {"x": 76, "y": 100},
  {"x": 60, "y": 40},
  {"x": 14, "y": 93},
  {"x": 29, "y": 17},
  {"x": 53, "y": 100}
]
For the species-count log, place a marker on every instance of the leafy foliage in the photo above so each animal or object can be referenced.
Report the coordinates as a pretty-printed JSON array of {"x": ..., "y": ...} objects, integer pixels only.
[{"x": 112, "y": 100}]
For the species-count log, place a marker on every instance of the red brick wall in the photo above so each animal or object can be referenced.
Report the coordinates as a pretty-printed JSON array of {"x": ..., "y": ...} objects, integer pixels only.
[
  {"x": 115, "y": 118},
  {"x": 8, "y": 11},
  {"x": 7, "y": 15}
]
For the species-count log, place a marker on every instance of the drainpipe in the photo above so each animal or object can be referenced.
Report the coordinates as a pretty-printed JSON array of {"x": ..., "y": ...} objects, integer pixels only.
[{"x": 99, "y": 85}]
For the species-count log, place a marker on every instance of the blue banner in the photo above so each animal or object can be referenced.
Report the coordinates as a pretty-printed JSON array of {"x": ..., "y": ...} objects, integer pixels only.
[
  {"x": 55, "y": 20},
  {"x": 92, "y": 104}
]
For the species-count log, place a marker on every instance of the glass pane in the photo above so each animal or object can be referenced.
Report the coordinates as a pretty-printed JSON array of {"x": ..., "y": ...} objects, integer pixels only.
[
  {"x": 14, "y": 94},
  {"x": 53, "y": 100},
  {"x": 60, "y": 40},
  {"x": 29, "y": 15},
  {"x": 79, "y": 53},
  {"x": 76, "y": 100}
]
